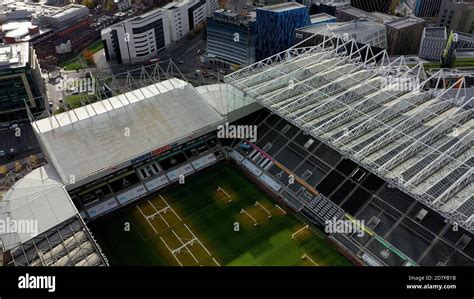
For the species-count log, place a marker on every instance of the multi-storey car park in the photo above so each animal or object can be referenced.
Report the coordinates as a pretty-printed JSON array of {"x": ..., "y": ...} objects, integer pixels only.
[{"x": 360, "y": 145}]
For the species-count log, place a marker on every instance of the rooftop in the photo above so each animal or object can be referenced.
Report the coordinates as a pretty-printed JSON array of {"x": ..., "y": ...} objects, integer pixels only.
[
  {"x": 465, "y": 53},
  {"x": 321, "y": 17},
  {"x": 439, "y": 32},
  {"x": 232, "y": 17},
  {"x": 382, "y": 114},
  {"x": 282, "y": 7},
  {"x": 90, "y": 139},
  {"x": 405, "y": 22},
  {"x": 14, "y": 55},
  {"x": 341, "y": 28},
  {"x": 370, "y": 16},
  {"x": 39, "y": 196}
]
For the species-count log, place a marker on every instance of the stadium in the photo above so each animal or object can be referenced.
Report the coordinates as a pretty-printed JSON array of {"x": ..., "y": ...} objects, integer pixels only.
[{"x": 143, "y": 168}]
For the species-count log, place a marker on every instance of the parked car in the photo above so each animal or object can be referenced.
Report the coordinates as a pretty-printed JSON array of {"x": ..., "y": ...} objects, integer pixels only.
[{"x": 2, "y": 153}]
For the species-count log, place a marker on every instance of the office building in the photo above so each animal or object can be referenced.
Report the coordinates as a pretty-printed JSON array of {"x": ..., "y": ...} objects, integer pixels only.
[
  {"x": 137, "y": 39},
  {"x": 276, "y": 25},
  {"x": 456, "y": 15},
  {"x": 385, "y": 6},
  {"x": 426, "y": 8},
  {"x": 404, "y": 35},
  {"x": 212, "y": 6},
  {"x": 231, "y": 37},
  {"x": 363, "y": 32},
  {"x": 456, "y": 41},
  {"x": 346, "y": 14},
  {"x": 433, "y": 42},
  {"x": 20, "y": 82},
  {"x": 321, "y": 18},
  {"x": 328, "y": 6},
  {"x": 184, "y": 16}
]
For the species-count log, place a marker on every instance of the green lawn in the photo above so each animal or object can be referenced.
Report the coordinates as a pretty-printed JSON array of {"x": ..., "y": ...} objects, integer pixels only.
[
  {"x": 79, "y": 62},
  {"x": 212, "y": 219},
  {"x": 73, "y": 64},
  {"x": 96, "y": 47}
]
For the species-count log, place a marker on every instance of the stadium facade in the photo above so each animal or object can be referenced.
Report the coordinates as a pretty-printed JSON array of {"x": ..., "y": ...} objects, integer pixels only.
[{"x": 338, "y": 118}]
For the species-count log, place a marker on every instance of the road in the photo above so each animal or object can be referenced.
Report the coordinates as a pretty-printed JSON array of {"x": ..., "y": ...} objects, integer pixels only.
[{"x": 184, "y": 53}]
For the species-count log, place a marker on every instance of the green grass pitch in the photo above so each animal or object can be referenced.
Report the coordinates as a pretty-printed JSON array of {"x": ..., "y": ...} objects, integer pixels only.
[{"x": 213, "y": 220}]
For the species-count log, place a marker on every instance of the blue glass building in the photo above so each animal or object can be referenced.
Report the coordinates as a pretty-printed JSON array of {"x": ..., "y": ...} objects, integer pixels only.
[{"x": 276, "y": 25}]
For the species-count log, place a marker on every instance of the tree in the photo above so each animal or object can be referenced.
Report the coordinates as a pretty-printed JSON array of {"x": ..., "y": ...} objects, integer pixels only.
[
  {"x": 109, "y": 5},
  {"x": 89, "y": 3},
  {"x": 88, "y": 56}
]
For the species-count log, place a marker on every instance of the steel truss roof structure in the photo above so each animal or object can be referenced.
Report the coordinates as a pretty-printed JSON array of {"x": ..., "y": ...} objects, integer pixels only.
[{"x": 418, "y": 136}]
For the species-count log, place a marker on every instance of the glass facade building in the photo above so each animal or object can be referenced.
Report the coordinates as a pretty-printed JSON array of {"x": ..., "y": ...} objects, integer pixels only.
[
  {"x": 20, "y": 82},
  {"x": 231, "y": 38},
  {"x": 276, "y": 25}
]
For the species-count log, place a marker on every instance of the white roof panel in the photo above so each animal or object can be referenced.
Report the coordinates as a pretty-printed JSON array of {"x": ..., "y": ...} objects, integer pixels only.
[
  {"x": 80, "y": 148},
  {"x": 40, "y": 197}
]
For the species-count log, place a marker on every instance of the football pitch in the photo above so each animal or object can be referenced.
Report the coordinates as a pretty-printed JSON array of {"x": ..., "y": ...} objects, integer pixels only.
[{"x": 218, "y": 217}]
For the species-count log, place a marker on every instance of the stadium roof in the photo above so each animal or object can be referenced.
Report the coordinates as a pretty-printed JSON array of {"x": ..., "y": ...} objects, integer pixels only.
[
  {"x": 94, "y": 138},
  {"x": 41, "y": 197},
  {"x": 214, "y": 94},
  {"x": 388, "y": 117}
]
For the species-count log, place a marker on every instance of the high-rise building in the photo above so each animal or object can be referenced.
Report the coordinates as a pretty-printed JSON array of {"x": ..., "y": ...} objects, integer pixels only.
[
  {"x": 426, "y": 8},
  {"x": 363, "y": 32},
  {"x": 137, "y": 39},
  {"x": 385, "y": 6},
  {"x": 321, "y": 18},
  {"x": 212, "y": 6},
  {"x": 457, "y": 15},
  {"x": 456, "y": 41},
  {"x": 276, "y": 25},
  {"x": 346, "y": 14},
  {"x": 231, "y": 37},
  {"x": 328, "y": 6},
  {"x": 433, "y": 42},
  {"x": 178, "y": 20},
  {"x": 184, "y": 16},
  {"x": 404, "y": 35},
  {"x": 20, "y": 82}
]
